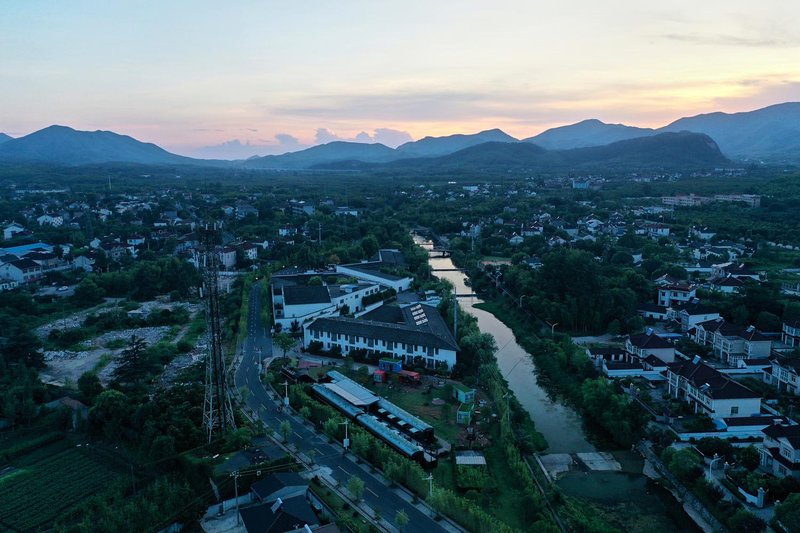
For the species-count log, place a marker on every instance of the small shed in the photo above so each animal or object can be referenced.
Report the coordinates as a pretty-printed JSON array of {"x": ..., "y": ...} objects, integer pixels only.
[
  {"x": 390, "y": 365},
  {"x": 463, "y": 394},
  {"x": 464, "y": 414},
  {"x": 407, "y": 376},
  {"x": 379, "y": 376}
]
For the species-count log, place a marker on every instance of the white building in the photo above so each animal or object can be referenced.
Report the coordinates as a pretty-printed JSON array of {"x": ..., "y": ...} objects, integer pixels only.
[
  {"x": 50, "y": 220},
  {"x": 375, "y": 272},
  {"x": 784, "y": 374},
  {"x": 417, "y": 334},
  {"x": 21, "y": 271},
  {"x": 11, "y": 230},
  {"x": 646, "y": 344},
  {"x": 676, "y": 294},
  {"x": 780, "y": 450},
  {"x": 300, "y": 303},
  {"x": 710, "y": 391}
]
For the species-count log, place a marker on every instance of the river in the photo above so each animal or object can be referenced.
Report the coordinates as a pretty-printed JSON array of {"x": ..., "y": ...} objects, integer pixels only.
[
  {"x": 636, "y": 503},
  {"x": 559, "y": 423}
]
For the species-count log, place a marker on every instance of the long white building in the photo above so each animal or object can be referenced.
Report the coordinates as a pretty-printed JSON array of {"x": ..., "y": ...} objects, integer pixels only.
[
  {"x": 302, "y": 303},
  {"x": 417, "y": 334}
]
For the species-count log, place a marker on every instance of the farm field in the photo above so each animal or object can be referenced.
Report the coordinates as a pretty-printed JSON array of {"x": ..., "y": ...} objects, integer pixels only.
[{"x": 47, "y": 482}]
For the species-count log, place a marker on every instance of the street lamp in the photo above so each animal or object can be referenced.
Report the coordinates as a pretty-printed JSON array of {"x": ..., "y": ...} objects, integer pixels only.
[
  {"x": 520, "y": 299},
  {"x": 346, "y": 442},
  {"x": 552, "y": 327}
]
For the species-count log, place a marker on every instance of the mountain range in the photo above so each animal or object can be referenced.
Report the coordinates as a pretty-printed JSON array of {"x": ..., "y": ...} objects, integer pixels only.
[{"x": 770, "y": 135}]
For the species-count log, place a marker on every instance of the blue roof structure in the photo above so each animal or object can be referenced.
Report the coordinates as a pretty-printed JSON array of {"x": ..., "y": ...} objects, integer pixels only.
[
  {"x": 349, "y": 390},
  {"x": 337, "y": 401},
  {"x": 403, "y": 415},
  {"x": 25, "y": 248},
  {"x": 390, "y": 435}
]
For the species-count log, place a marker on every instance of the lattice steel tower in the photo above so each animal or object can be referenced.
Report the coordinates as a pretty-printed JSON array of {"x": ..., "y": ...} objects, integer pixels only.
[{"x": 217, "y": 411}]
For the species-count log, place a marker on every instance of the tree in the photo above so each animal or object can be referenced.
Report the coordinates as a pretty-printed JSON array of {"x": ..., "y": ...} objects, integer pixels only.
[
  {"x": 88, "y": 293},
  {"x": 109, "y": 414},
  {"x": 749, "y": 458},
  {"x": 315, "y": 281},
  {"x": 745, "y": 522},
  {"x": 788, "y": 513},
  {"x": 133, "y": 365},
  {"x": 356, "y": 487},
  {"x": 90, "y": 386},
  {"x": 285, "y": 342},
  {"x": 401, "y": 519},
  {"x": 285, "y": 429}
]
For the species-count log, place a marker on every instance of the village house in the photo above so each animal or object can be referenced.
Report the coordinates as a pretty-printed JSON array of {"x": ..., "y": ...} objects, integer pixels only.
[
  {"x": 676, "y": 293},
  {"x": 12, "y": 229},
  {"x": 645, "y": 344},
  {"x": 730, "y": 342},
  {"x": 790, "y": 332},
  {"x": 711, "y": 392},
  {"x": 780, "y": 450},
  {"x": 783, "y": 374},
  {"x": 21, "y": 271},
  {"x": 694, "y": 312},
  {"x": 227, "y": 257}
]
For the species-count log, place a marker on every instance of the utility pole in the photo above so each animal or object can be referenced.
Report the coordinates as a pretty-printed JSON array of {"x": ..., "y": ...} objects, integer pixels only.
[
  {"x": 235, "y": 475},
  {"x": 455, "y": 316},
  {"x": 429, "y": 479},
  {"x": 319, "y": 233}
]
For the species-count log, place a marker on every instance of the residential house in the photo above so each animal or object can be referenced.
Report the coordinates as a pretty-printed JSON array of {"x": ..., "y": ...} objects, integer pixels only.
[
  {"x": 301, "y": 207},
  {"x": 783, "y": 374},
  {"x": 702, "y": 233},
  {"x": 780, "y": 450},
  {"x": 711, "y": 392},
  {"x": 727, "y": 285},
  {"x": 50, "y": 220},
  {"x": 380, "y": 272},
  {"x": 21, "y": 271},
  {"x": 692, "y": 313},
  {"x": 645, "y": 344},
  {"x": 11, "y": 230},
  {"x": 249, "y": 250},
  {"x": 731, "y": 342},
  {"x": 516, "y": 240},
  {"x": 417, "y": 334},
  {"x": 227, "y": 257},
  {"x": 676, "y": 294},
  {"x": 790, "y": 332},
  {"x": 83, "y": 262}
]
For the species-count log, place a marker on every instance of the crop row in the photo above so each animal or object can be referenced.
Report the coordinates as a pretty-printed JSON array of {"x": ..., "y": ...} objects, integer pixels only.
[{"x": 47, "y": 488}]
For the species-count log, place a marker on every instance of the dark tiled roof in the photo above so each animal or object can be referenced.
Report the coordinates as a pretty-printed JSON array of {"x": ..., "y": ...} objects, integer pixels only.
[
  {"x": 293, "y": 514},
  {"x": 651, "y": 341},
  {"x": 373, "y": 269},
  {"x": 297, "y": 295},
  {"x": 431, "y": 333},
  {"x": 697, "y": 309},
  {"x": 390, "y": 314},
  {"x": 651, "y": 307},
  {"x": 275, "y": 482},
  {"x": 25, "y": 264},
  {"x": 720, "y": 387},
  {"x": 784, "y": 431}
]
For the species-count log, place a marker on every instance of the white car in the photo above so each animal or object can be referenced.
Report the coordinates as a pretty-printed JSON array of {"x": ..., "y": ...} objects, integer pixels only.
[{"x": 63, "y": 288}]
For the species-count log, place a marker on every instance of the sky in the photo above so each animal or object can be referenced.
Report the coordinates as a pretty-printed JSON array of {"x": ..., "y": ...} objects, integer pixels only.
[{"x": 239, "y": 78}]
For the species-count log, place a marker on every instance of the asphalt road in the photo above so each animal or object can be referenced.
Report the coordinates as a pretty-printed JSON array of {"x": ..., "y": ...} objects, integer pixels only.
[{"x": 258, "y": 347}]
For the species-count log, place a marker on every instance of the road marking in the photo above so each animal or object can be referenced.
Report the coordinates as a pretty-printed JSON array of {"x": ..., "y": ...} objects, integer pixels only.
[
  {"x": 345, "y": 471},
  {"x": 298, "y": 434},
  {"x": 373, "y": 492}
]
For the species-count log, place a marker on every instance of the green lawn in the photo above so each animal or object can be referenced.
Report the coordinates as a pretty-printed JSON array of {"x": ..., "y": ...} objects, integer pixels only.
[{"x": 417, "y": 402}]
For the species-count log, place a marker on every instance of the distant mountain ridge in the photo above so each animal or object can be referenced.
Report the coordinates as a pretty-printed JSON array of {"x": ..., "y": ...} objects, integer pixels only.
[
  {"x": 771, "y": 135},
  {"x": 435, "y": 146},
  {"x": 662, "y": 151},
  {"x": 591, "y": 132},
  {"x": 66, "y": 146}
]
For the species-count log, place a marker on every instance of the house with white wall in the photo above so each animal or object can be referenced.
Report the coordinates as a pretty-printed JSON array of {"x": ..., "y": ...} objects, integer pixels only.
[
  {"x": 646, "y": 344},
  {"x": 780, "y": 450},
  {"x": 783, "y": 374},
  {"x": 711, "y": 392},
  {"x": 730, "y": 342},
  {"x": 417, "y": 334},
  {"x": 301, "y": 303}
]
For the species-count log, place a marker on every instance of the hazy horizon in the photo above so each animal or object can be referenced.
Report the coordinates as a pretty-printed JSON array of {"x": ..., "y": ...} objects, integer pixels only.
[{"x": 253, "y": 78}]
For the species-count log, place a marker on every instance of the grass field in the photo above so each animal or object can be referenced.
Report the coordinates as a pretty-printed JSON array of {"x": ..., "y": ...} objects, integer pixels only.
[
  {"x": 48, "y": 481},
  {"x": 417, "y": 402}
]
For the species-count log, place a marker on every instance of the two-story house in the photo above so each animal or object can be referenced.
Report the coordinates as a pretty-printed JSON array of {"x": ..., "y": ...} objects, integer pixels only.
[
  {"x": 646, "y": 344},
  {"x": 227, "y": 257},
  {"x": 676, "y": 294},
  {"x": 780, "y": 450},
  {"x": 730, "y": 342},
  {"x": 21, "y": 271},
  {"x": 694, "y": 312},
  {"x": 790, "y": 332},
  {"x": 710, "y": 391},
  {"x": 784, "y": 374}
]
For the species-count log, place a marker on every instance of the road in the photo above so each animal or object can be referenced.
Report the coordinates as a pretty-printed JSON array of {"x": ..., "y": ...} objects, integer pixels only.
[{"x": 387, "y": 501}]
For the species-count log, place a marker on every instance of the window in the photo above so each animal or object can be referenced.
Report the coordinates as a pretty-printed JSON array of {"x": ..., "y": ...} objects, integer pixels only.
[{"x": 735, "y": 410}]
